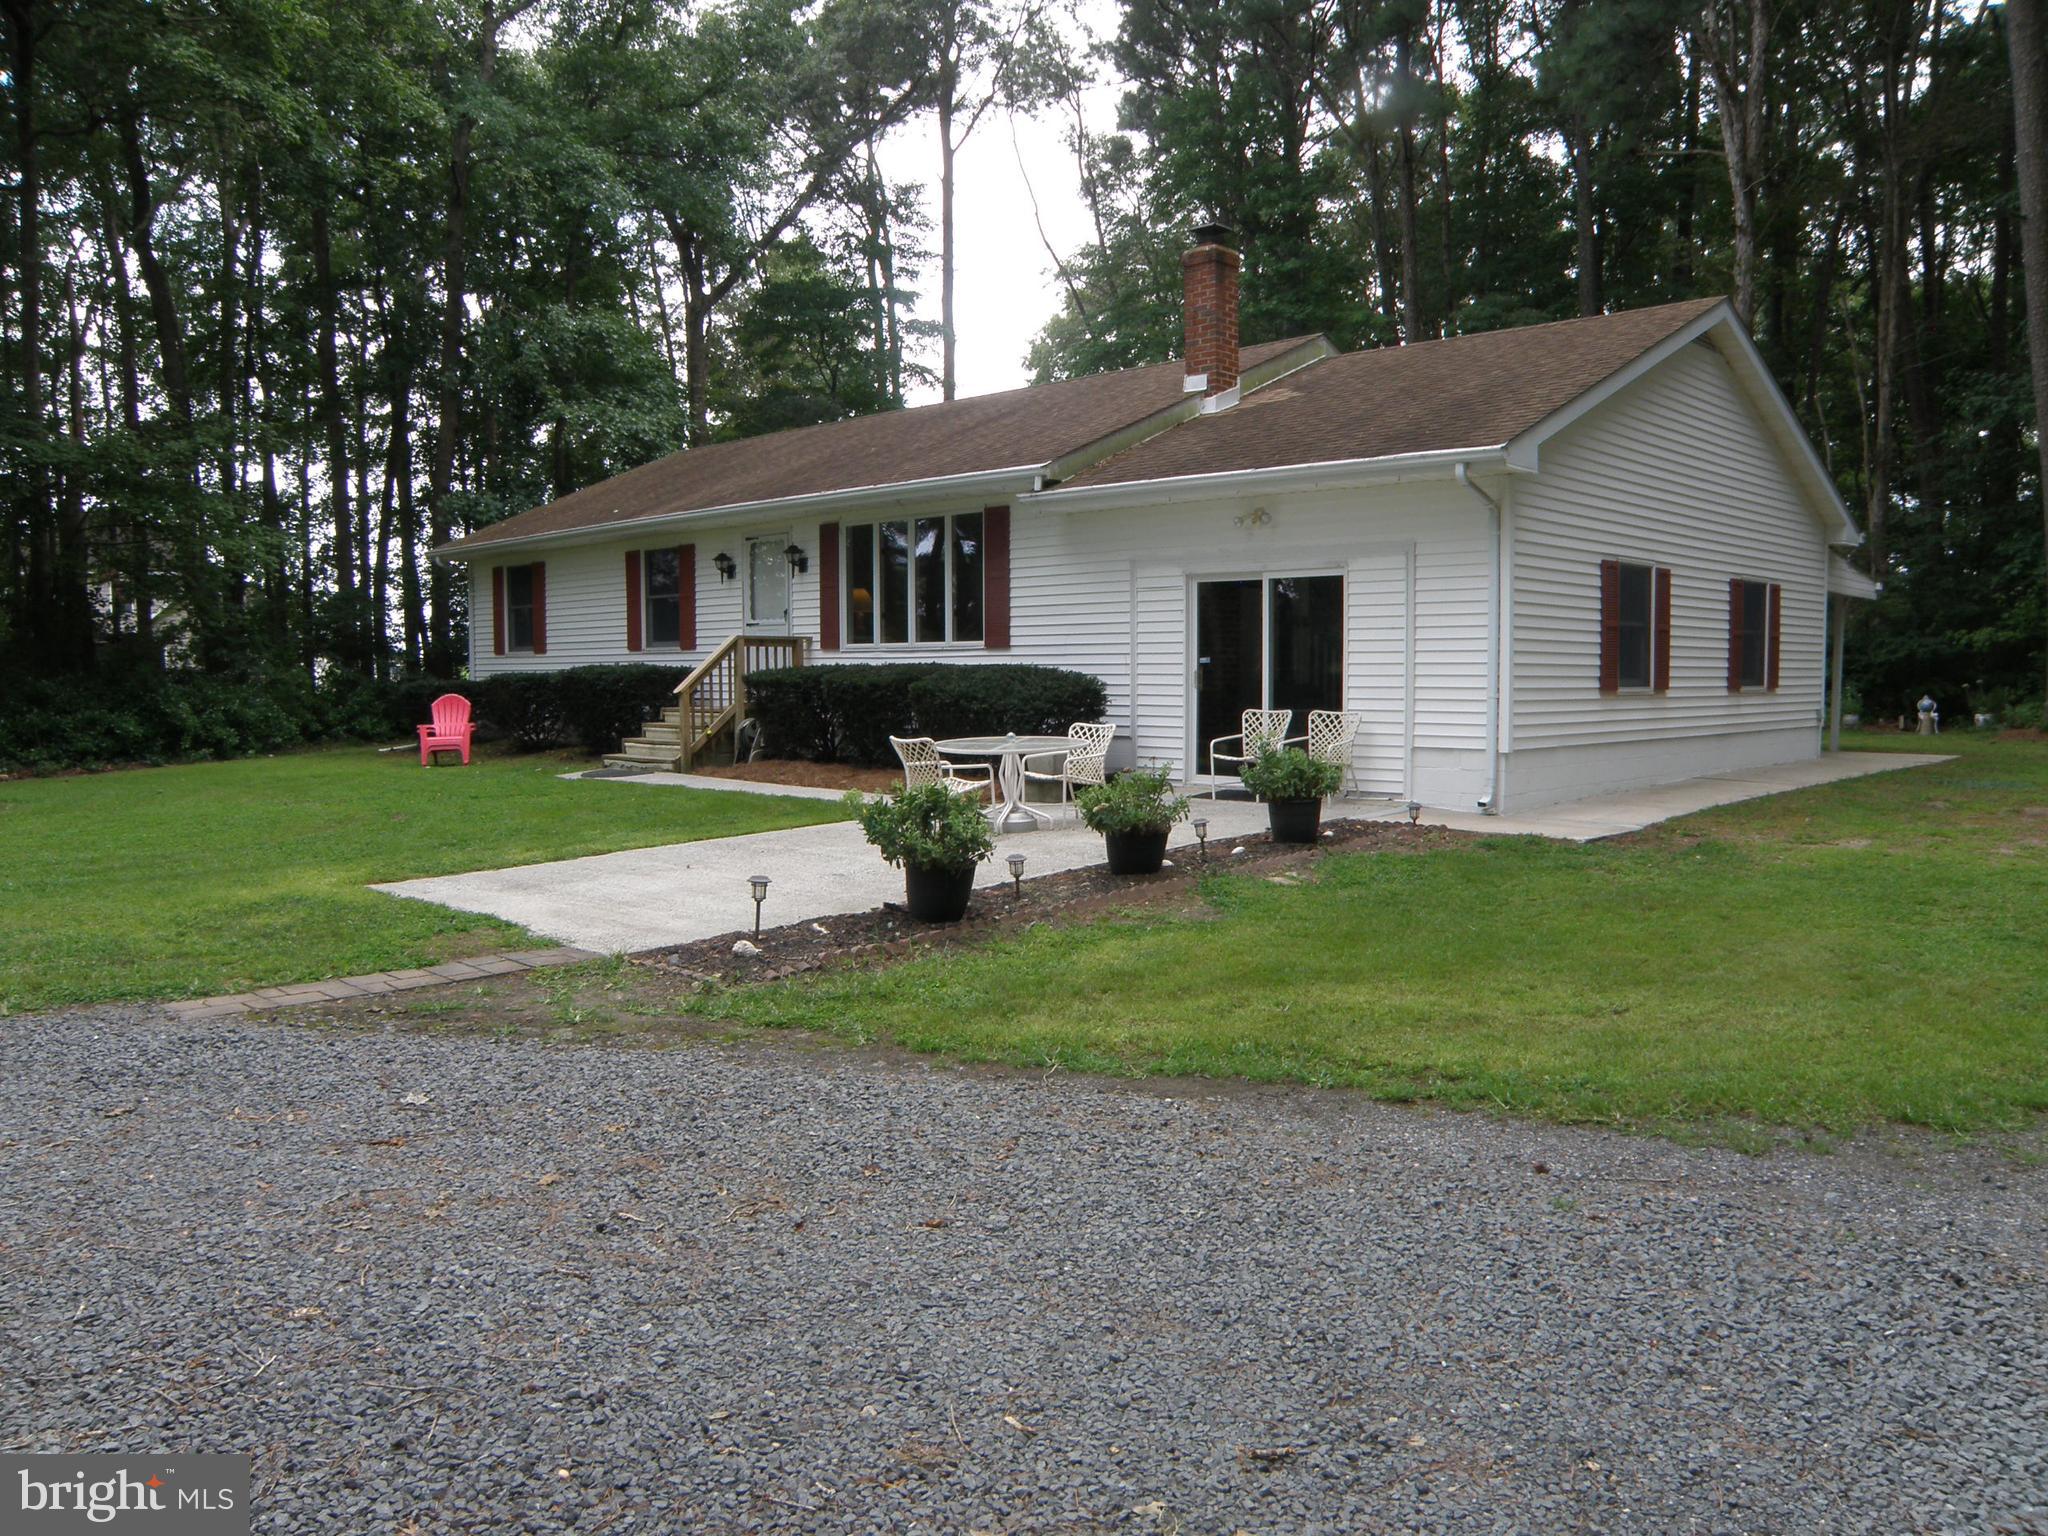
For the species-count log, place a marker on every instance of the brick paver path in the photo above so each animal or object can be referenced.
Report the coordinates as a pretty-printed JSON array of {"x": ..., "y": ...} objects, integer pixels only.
[{"x": 343, "y": 988}]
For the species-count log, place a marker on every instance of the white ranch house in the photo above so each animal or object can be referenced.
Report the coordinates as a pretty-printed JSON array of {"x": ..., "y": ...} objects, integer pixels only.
[{"x": 1542, "y": 563}]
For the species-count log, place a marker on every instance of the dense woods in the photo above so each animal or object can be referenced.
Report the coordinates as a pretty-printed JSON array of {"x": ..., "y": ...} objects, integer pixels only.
[{"x": 297, "y": 289}]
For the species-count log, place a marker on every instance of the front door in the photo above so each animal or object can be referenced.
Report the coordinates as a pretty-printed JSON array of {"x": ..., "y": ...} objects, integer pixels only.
[
  {"x": 768, "y": 584},
  {"x": 1267, "y": 642}
]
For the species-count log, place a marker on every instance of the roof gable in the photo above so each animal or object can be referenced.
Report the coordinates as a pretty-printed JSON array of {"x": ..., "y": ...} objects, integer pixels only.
[{"x": 1718, "y": 327}]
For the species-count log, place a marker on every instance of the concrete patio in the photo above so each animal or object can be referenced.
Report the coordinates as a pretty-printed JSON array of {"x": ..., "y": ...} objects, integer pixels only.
[{"x": 648, "y": 897}]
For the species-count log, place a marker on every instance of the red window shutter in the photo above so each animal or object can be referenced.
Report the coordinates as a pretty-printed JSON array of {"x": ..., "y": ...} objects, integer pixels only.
[
  {"x": 1777, "y": 628},
  {"x": 497, "y": 610},
  {"x": 995, "y": 567},
  {"x": 1735, "y": 635},
  {"x": 686, "y": 596},
  {"x": 1610, "y": 626},
  {"x": 828, "y": 586},
  {"x": 540, "y": 608},
  {"x": 633, "y": 640},
  {"x": 1660, "y": 678}
]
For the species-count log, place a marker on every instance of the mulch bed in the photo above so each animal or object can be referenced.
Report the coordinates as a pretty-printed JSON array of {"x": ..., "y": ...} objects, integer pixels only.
[
  {"x": 887, "y": 933},
  {"x": 808, "y": 775}
]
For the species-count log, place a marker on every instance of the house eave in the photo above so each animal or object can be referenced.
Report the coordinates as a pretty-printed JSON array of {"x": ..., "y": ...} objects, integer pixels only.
[
  {"x": 1006, "y": 483},
  {"x": 1332, "y": 474}
]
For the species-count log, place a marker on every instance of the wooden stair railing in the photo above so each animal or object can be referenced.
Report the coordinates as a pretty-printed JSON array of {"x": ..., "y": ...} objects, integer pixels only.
[{"x": 713, "y": 698}]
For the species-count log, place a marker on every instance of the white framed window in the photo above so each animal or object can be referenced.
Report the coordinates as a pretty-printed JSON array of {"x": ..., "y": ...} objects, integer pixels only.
[
  {"x": 519, "y": 607},
  {"x": 1635, "y": 625},
  {"x": 915, "y": 580},
  {"x": 663, "y": 596}
]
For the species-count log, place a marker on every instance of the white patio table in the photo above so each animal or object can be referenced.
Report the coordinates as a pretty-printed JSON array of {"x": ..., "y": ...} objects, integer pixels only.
[{"x": 1010, "y": 752}]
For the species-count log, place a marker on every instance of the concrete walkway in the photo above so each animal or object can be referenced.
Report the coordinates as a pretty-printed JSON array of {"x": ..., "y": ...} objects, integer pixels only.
[
  {"x": 648, "y": 897},
  {"x": 645, "y": 898},
  {"x": 1598, "y": 816}
]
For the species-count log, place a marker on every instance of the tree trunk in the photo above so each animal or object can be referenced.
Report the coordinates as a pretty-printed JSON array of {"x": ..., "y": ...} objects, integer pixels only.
[
  {"x": 1683, "y": 255},
  {"x": 34, "y": 494},
  {"x": 163, "y": 298},
  {"x": 70, "y": 642},
  {"x": 1404, "y": 180},
  {"x": 2027, "y": 44},
  {"x": 1382, "y": 237},
  {"x": 948, "y": 341},
  {"x": 2004, "y": 453},
  {"x": 141, "y": 551},
  {"x": 441, "y": 657},
  {"x": 1585, "y": 216},
  {"x": 334, "y": 425},
  {"x": 186, "y": 539},
  {"x": 1739, "y": 79},
  {"x": 696, "y": 329}
]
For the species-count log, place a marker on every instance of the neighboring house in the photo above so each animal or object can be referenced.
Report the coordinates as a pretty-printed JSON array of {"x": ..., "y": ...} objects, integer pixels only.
[{"x": 1542, "y": 563}]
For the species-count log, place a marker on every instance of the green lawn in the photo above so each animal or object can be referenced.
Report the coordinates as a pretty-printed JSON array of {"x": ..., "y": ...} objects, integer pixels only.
[
  {"x": 1873, "y": 950},
  {"x": 217, "y": 877}
]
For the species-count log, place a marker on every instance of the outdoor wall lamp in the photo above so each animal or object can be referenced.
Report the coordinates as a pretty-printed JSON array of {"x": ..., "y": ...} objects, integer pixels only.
[
  {"x": 1017, "y": 874},
  {"x": 725, "y": 566},
  {"x": 760, "y": 885},
  {"x": 798, "y": 560}
]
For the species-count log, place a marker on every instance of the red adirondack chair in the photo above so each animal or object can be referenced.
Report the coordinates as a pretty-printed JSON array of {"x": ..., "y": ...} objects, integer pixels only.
[{"x": 450, "y": 731}]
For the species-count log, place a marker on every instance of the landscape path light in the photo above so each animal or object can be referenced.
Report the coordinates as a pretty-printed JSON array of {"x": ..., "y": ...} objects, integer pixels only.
[{"x": 760, "y": 887}]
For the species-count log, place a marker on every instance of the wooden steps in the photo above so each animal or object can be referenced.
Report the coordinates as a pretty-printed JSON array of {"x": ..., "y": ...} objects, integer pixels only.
[
  {"x": 710, "y": 703},
  {"x": 659, "y": 745}
]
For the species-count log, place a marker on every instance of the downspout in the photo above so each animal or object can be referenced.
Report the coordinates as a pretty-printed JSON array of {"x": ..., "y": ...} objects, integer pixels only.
[
  {"x": 1489, "y": 804},
  {"x": 1838, "y": 632}
]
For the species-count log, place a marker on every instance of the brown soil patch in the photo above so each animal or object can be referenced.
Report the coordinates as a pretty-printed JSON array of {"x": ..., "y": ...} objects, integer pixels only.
[
  {"x": 809, "y": 775},
  {"x": 886, "y": 933},
  {"x": 2022, "y": 733}
]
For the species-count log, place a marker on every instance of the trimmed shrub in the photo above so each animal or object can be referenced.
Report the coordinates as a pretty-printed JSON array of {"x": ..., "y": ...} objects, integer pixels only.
[
  {"x": 146, "y": 716},
  {"x": 847, "y": 713},
  {"x": 149, "y": 717},
  {"x": 594, "y": 708}
]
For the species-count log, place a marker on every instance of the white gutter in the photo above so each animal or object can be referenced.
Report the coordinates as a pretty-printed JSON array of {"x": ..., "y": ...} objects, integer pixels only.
[
  {"x": 1008, "y": 482},
  {"x": 1490, "y": 805},
  {"x": 1327, "y": 474}
]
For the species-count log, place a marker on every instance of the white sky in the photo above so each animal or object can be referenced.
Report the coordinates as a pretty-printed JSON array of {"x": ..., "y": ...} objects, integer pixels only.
[{"x": 1004, "y": 285}]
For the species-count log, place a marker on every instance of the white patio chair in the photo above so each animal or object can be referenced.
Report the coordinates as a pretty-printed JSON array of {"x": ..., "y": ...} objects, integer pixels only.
[
  {"x": 1084, "y": 760},
  {"x": 1259, "y": 731},
  {"x": 1332, "y": 733},
  {"x": 922, "y": 765}
]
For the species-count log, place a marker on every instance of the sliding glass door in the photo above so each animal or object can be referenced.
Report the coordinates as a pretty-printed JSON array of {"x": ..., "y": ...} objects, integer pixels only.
[{"x": 1267, "y": 642}]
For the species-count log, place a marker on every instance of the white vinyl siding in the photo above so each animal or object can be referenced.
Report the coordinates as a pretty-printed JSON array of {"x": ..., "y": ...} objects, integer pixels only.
[
  {"x": 1675, "y": 471},
  {"x": 1098, "y": 591}
]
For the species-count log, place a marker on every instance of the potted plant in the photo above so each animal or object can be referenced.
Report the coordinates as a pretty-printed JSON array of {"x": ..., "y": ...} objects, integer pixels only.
[
  {"x": 1293, "y": 785},
  {"x": 937, "y": 835},
  {"x": 1134, "y": 812}
]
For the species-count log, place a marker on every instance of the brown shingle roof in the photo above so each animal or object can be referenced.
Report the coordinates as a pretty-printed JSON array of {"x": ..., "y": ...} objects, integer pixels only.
[
  {"x": 1016, "y": 428},
  {"x": 1476, "y": 391}
]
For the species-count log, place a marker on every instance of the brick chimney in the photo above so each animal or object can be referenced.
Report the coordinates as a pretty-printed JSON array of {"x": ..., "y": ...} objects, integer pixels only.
[{"x": 1209, "y": 310}]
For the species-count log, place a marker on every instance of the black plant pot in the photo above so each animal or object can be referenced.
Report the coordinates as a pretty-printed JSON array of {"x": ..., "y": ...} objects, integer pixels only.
[
  {"x": 1135, "y": 853},
  {"x": 937, "y": 895},
  {"x": 1294, "y": 821}
]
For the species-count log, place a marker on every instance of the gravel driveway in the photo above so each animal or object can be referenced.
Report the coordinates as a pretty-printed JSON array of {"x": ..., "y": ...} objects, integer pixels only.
[{"x": 447, "y": 1284}]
